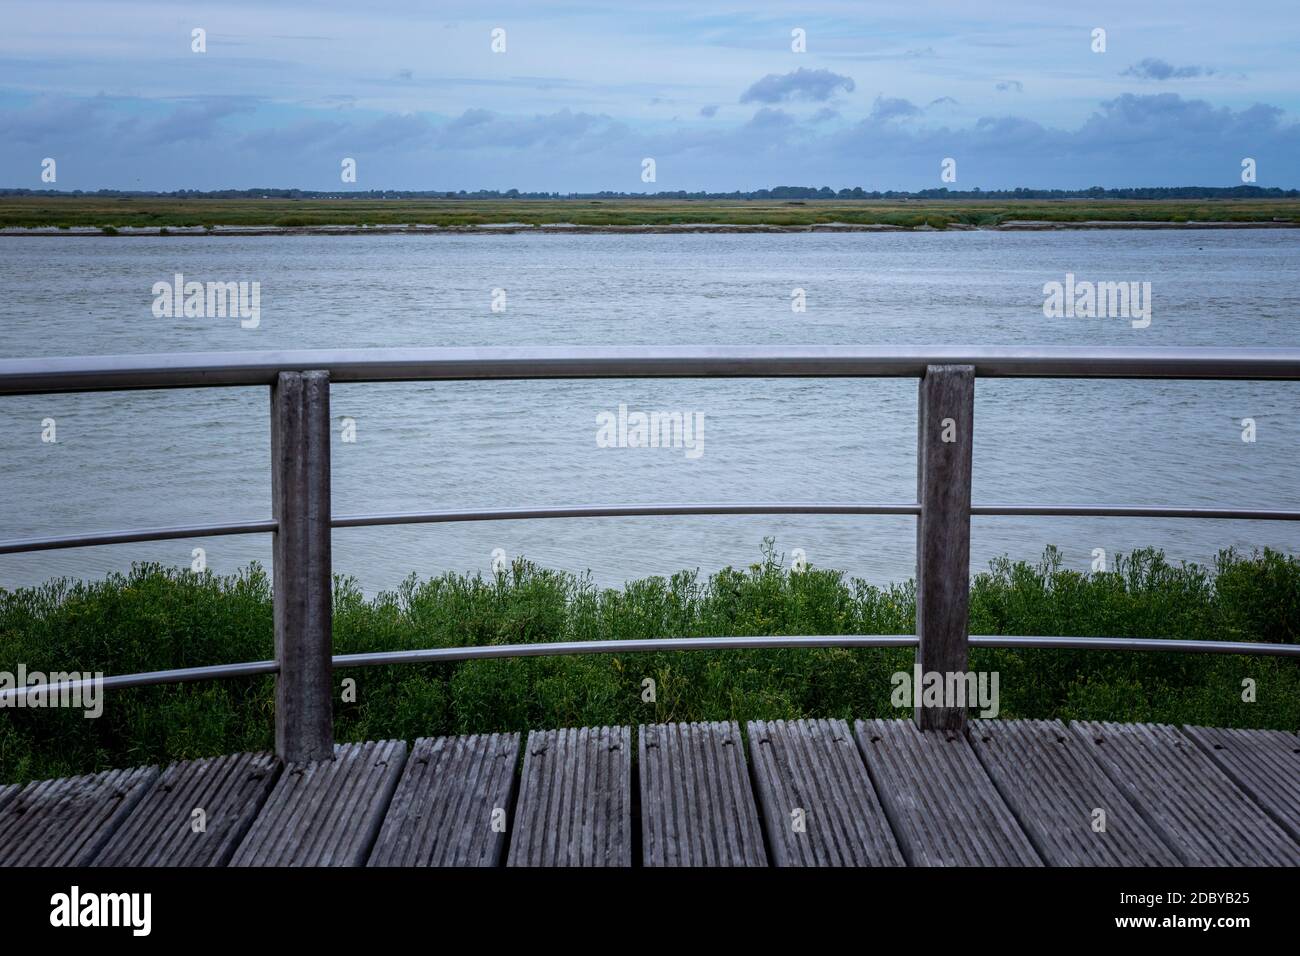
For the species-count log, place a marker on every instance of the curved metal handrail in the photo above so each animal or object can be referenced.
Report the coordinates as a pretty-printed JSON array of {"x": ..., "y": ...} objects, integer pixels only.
[
  {"x": 654, "y": 645},
  {"x": 57, "y": 542}
]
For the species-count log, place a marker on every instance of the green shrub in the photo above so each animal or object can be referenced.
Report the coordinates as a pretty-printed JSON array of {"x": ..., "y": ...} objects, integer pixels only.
[{"x": 155, "y": 618}]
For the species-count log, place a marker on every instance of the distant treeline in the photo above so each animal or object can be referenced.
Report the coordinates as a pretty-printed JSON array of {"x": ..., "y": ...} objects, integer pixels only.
[{"x": 778, "y": 192}]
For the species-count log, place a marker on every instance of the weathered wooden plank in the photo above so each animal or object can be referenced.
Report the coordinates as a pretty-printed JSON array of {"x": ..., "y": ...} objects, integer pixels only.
[
  {"x": 941, "y": 804},
  {"x": 818, "y": 804},
  {"x": 1200, "y": 813},
  {"x": 575, "y": 799},
  {"x": 1052, "y": 784},
  {"x": 161, "y": 830},
  {"x": 325, "y": 812},
  {"x": 66, "y": 822},
  {"x": 1263, "y": 763},
  {"x": 944, "y": 448},
  {"x": 8, "y": 792},
  {"x": 697, "y": 807},
  {"x": 452, "y": 805}
]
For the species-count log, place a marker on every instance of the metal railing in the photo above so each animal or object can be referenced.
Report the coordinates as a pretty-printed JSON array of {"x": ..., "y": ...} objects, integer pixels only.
[{"x": 302, "y": 520}]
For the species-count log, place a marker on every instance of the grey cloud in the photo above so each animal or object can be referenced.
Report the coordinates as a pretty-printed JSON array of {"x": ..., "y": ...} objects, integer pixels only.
[
  {"x": 817, "y": 85},
  {"x": 297, "y": 138},
  {"x": 196, "y": 121},
  {"x": 1009, "y": 86},
  {"x": 770, "y": 118},
  {"x": 709, "y": 111},
  {"x": 565, "y": 129},
  {"x": 889, "y": 108},
  {"x": 926, "y": 53},
  {"x": 1129, "y": 140},
  {"x": 1156, "y": 69}
]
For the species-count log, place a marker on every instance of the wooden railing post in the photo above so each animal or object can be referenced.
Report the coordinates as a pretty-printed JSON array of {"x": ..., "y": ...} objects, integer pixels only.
[
  {"x": 945, "y": 424},
  {"x": 300, "y": 503}
]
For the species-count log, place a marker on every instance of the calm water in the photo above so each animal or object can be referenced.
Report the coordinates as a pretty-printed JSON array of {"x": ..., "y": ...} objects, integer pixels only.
[{"x": 160, "y": 458}]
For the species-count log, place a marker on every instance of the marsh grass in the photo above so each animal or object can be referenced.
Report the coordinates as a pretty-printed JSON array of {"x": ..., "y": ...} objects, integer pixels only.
[
  {"x": 156, "y": 618},
  {"x": 36, "y": 211}
]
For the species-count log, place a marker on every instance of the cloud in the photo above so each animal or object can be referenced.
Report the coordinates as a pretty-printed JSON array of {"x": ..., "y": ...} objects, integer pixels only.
[
  {"x": 1132, "y": 139},
  {"x": 1010, "y": 86},
  {"x": 710, "y": 111},
  {"x": 563, "y": 130},
  {"x": 941, "y": 101},
  {"x": 817, "y": 85},
  {"x": 1156, "y": 69},
  {"x": 924, "y": 53},
  {"x": 770, "y": 119},
  {"x": 890, "y": 108}
]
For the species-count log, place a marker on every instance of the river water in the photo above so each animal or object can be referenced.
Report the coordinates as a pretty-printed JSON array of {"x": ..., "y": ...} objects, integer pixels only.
[{"x": 147, "y": 459}]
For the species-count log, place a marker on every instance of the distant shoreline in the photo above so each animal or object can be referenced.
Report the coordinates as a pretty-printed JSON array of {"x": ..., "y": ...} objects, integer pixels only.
[
  {"x": 661, "y": 228},
  {"x": 150, "y": 216}
]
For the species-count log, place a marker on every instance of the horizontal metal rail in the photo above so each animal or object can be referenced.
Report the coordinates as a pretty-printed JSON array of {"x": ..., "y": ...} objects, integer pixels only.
[
  {"x": 19, "y": 546},
  {"x": 184, "y": 675},
  {"x": 442, "y": 655},
  {"x": 623, "y": 511},
  {"x": 1137, "y": 644},
  {"x": 212, "y": 369},
  {"x": 125, "y": 537},
  {"x": 655, "y": 645},
  {"x": 1134, "y": 511}
]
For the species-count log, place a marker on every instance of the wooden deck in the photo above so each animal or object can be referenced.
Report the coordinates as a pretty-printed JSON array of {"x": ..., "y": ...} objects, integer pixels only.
[{"x": 786, "y": 793}]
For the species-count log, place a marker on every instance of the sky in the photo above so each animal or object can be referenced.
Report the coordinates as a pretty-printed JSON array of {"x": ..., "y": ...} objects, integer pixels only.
[{"x": 572, "y": 97}]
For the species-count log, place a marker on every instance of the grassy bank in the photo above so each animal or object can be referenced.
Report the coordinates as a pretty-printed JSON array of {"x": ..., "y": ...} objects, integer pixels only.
[
  {"x": 155, "y": 618},
  {"x": 163, "y": 212}
]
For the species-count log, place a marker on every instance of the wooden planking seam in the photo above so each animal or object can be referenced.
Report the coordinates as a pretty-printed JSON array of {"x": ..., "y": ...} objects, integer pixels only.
[
  {"x": 697, "y": 805},
  {"x": 326, "y": 812},
  {"x": 334, "y": 798},
  {"x": 1203, "y": 816},
  {"x": 745, "y": 840},
  {"x": 374, "y": 779},
  {"x": 814, "y": 766},
  {"x": 66, "y": 822},
  {"x": 75, "y": 805},
  {"x": 808, "y": 768},
  {"x": 1052, "y": 785},
  {"x": 259, "y": 772},
  {"x": 1265, "y": 764},
  {"x": 846, "y": 774},
  {"x": 778, "y": 793},
  {"x": 1019, "y": 770},
  {"x": 574, "y": 800},
  {"x": 436, "y": 816},
  {"x": 1214, "y": 822},
  {"x": 943, "y": 806},
  {"x": 229, "y": 789}
]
